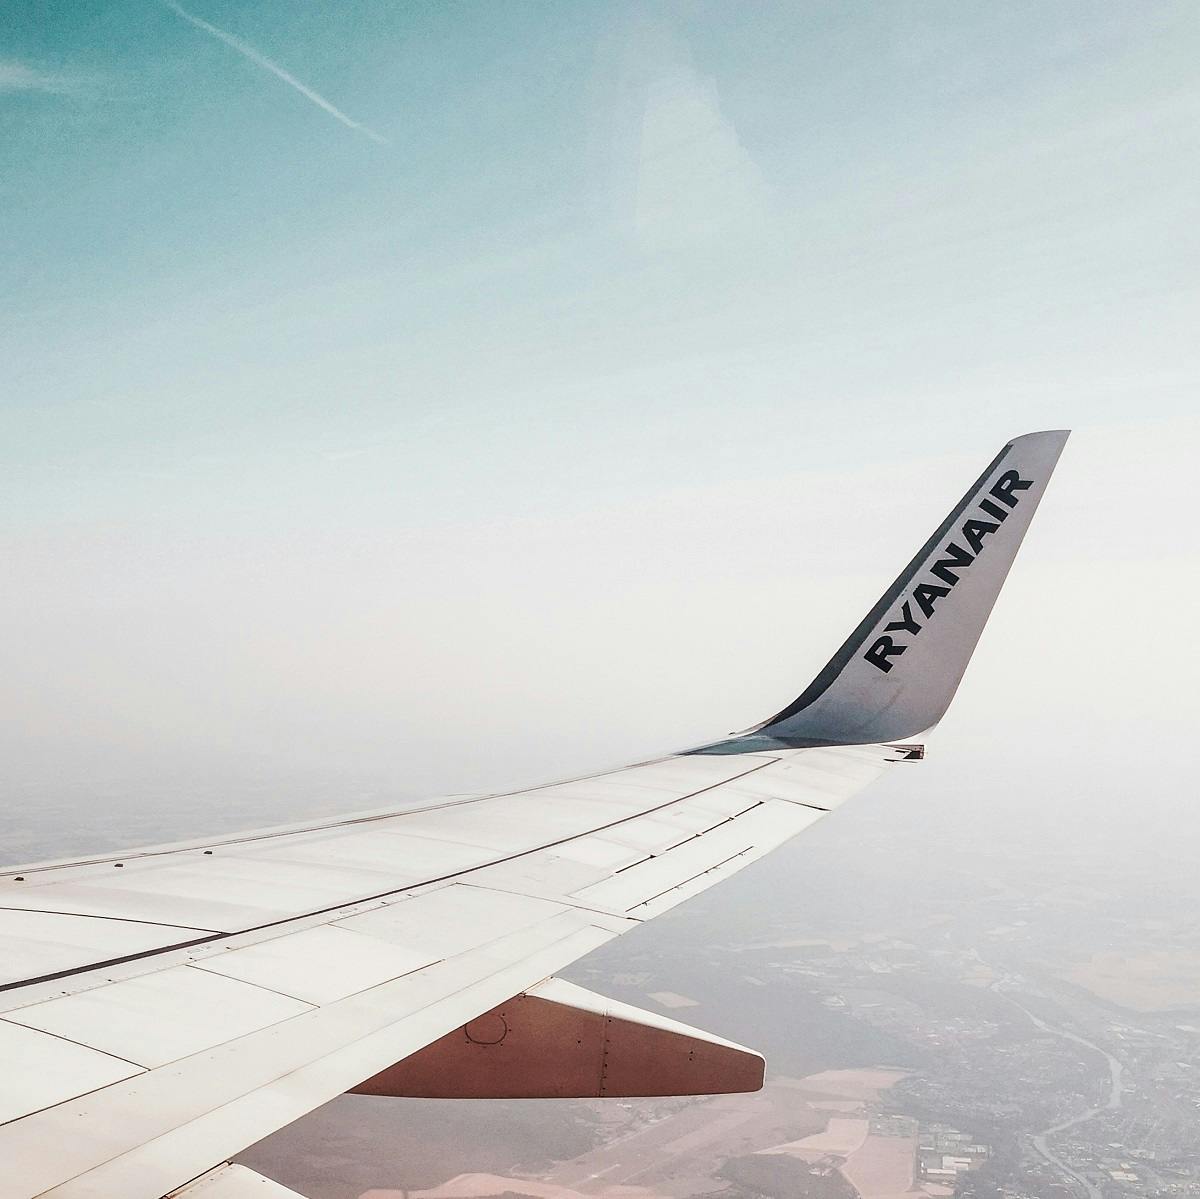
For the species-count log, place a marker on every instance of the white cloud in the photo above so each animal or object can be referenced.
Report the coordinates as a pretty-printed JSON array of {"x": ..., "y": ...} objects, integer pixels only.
[
  {"x": 696, "y": 180},
  {"x": 21, "y": 77},
  {"x": 672, "y": 161}
]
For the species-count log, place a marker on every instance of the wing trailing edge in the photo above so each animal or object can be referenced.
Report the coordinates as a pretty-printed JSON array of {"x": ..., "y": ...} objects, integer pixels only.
[{"x": 228, "y": 1181}]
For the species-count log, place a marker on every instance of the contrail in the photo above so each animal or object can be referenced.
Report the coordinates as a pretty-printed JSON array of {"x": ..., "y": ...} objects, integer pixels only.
[{"x": 248, "y": 51}]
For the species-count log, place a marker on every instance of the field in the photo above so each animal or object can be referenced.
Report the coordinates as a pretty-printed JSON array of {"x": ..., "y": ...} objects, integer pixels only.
[{"x": 806, "y": 1136}]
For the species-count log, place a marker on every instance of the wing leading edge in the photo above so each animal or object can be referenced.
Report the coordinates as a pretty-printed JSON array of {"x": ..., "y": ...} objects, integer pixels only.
[{"x": 161, "y": 1011}]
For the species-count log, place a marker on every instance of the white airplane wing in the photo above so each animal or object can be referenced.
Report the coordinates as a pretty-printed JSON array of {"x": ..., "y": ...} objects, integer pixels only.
[{"x": 163, "y": 1010}]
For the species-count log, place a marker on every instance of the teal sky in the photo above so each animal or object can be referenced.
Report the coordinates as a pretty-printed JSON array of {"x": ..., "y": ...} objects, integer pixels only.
[{"x": 587, "y": 343}]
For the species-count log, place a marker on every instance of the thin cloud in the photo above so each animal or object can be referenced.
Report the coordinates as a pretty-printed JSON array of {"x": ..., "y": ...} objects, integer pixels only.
[
  {"x": 21, "y": 77},
  {"x": 248, "y": 51}
]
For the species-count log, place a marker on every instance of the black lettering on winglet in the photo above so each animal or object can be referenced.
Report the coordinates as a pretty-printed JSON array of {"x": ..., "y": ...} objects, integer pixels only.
[
  {"x": 905, "y": 625},
  {"x": 927, "y": 596},
  {"x": 1006, "y": 484},
  {"x": 974, "y": 531},
  {"x": 945, "y": 568},
  {"x": 883, "y": 649}
]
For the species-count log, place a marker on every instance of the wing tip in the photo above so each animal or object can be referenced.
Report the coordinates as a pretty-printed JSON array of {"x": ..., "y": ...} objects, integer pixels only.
[{"x": 1059, "y": 435}]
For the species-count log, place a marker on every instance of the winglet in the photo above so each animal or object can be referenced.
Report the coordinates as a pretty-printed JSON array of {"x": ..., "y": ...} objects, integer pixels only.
[{"x": 898, "y": 671}]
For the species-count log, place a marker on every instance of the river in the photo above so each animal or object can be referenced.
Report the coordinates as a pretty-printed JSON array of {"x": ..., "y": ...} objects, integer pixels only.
[{"x": 1115, "y": 1089}]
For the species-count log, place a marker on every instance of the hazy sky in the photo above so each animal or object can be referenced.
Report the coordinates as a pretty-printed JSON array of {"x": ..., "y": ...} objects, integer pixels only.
[{"x": 408, "y": 398}]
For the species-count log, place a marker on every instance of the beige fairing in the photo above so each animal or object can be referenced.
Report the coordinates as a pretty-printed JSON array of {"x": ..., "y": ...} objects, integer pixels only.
[{"x": 560, "y": 1041}]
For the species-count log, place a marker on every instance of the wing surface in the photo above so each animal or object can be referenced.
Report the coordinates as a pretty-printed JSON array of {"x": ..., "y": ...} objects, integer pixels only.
[{"x": 162, "y": 1010}]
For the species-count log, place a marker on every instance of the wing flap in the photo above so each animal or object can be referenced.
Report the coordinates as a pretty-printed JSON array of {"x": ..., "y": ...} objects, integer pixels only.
[
  {"x": 162, "y": 1016},
  {"x": 36, "y": 944},
  {"x": 147, "y": 1136},
  {"x": 318, "y": 965},
  {"x": 768, "y": 823},
  {"x": 40, "y": 1071},
  {"x": 233, "y": 1182}
]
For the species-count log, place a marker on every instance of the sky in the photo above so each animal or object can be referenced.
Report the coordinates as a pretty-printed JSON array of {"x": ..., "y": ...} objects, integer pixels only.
[{"x": 411, "y": 399}]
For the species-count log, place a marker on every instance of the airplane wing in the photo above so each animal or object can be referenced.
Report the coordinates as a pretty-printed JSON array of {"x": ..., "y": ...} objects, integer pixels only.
[{"x": 162, "y": 1010}]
